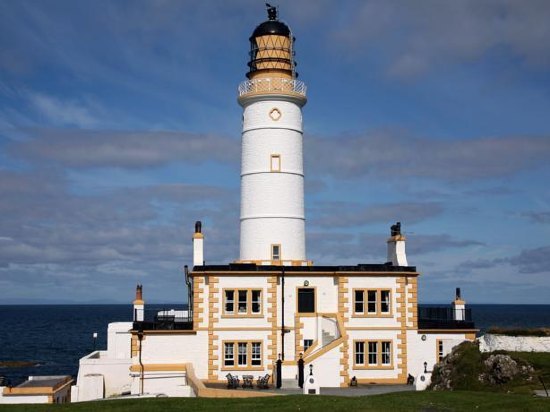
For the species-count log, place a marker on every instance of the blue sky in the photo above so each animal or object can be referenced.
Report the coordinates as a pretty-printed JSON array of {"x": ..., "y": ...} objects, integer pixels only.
[{"x": 119, "y": 127}]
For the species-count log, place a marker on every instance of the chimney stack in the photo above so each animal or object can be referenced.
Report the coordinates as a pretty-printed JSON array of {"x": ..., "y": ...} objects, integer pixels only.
[
  {"x": 139, "y": 304},
  {"x": 198, "y": 245},
  {"x": 459, "y": 306},
  {"x": 396, "y": 247}
]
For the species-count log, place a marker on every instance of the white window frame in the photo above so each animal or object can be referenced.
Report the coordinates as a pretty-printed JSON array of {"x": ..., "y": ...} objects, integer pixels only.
[
  {"x": 275, "y": 165},
  {"x": 257, "y": 301},
  {"x": 359, "y": 352},
  {"x": 242, "y": 356},
  {"x": 385, "y": 353},
  {"x": 256, "y": 354},
  {"x": 361, "y": 301},
  {"x": 373, "y": 353},
  {"x": 229, "y": 301},
  {"x": 240, "y": 301},
  {"x": 369, "y": 302},
  {"x": 386, "y": 301},
  {"x": 229, "y": 355},
  {"x": 275, "y": 256}
]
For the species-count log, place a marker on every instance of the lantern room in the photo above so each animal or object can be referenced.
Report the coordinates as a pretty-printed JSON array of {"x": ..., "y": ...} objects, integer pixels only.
[{"x": 271, "y": 49}]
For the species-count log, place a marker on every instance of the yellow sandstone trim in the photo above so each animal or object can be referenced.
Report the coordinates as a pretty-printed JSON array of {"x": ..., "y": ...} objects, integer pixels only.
[
  {"x": 37, "y": 390},
  {"x": 343, "y": 319},
  {"x": 212, "y": 320},
  {"x": 159, "y": 367}
]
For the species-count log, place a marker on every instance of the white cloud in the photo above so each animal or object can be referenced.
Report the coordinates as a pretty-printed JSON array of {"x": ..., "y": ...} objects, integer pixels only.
[{"x": 63, "y": 112}]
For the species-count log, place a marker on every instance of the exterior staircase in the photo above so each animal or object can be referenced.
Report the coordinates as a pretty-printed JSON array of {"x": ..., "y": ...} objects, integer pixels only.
[{"x": 326, "y": 338}]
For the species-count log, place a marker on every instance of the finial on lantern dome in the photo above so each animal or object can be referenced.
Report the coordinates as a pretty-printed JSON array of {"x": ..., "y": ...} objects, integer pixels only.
[{"x": 271, "y": 12}]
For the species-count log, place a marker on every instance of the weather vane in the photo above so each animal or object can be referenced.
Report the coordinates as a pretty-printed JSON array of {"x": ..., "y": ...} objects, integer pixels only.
[{"x": 271, "y": 11}]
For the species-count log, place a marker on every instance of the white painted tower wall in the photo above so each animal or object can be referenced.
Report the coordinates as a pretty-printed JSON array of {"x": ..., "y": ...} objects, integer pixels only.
[{"x": 272, "y": 202}]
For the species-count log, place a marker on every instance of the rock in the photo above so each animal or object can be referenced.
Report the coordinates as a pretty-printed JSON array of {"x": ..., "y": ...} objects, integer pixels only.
[{"x": 500, "y": 369}]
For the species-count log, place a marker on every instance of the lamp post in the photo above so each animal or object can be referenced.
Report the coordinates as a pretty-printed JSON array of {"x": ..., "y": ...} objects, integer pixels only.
[{"x": 94, "y": 337}]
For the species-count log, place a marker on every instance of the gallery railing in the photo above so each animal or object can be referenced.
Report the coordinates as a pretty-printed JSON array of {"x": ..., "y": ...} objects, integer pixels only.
[
  {"x": 430, "y": 317},
  {"x": 165, "y": 319},
  {"x": 272, "y": 85}
]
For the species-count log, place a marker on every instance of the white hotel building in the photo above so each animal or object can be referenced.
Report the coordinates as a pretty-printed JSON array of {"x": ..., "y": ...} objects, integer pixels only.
[{"x": 352, "y": 323}]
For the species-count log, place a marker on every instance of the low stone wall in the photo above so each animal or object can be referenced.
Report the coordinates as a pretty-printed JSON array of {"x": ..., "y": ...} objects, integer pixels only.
[{"x": 490, "y": 343}]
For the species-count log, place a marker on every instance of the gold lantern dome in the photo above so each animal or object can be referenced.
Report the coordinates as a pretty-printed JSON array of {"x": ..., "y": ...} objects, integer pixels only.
[{"x": 271, "y": 49}]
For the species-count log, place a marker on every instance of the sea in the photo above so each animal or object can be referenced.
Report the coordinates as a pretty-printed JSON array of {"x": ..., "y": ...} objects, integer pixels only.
[{"x": 55, "y": 337}]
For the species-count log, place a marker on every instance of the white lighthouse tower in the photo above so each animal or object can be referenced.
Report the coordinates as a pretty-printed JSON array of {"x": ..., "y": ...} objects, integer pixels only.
[{"x": 272, "y": 173}]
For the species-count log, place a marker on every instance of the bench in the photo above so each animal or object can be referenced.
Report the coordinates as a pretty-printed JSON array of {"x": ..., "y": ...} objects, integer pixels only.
[
  {"x": 232, "y": 381},
  {"x": 263, "y": 382}
]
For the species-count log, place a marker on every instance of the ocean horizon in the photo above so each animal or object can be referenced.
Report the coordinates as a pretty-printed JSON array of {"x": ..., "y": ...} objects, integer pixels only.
[{"x": 55, "y": 336}]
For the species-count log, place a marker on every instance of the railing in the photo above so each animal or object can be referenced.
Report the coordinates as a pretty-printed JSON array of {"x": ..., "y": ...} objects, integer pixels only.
[
  {"x": 272, "y": 85},
  {"x": 165, "y": 319},
  {"x": 328, "y": 326},
  {"x": 444, "y": 318}
]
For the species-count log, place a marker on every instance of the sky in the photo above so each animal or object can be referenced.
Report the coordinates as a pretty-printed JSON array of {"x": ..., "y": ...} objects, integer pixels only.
[{"x": 119, "y": 128}]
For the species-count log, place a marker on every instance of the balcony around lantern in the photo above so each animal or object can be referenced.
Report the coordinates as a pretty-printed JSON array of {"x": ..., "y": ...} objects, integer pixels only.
[{"x": 272, "y": 85}]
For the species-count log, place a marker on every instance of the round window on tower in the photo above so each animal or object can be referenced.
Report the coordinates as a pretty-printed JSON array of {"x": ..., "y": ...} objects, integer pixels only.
[{"x": 275, "y": 114}]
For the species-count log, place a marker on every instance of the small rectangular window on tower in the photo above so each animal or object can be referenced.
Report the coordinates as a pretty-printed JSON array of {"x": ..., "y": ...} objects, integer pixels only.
[
  {"x": 275, "y": 252},
  {"x": 275, "y": 163}
]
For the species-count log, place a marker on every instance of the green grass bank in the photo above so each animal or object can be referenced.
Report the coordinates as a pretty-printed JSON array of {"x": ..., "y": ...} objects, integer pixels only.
[{"x": 404, "y": 401}]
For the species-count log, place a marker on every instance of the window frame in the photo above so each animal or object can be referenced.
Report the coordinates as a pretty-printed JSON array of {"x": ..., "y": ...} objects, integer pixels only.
[
  {"x": 249, "y": 359},
  {"x": 374, "y": 350},
  {"x": 257, "y": 302},
  {"x": 277, "y": 158},
  {"x": 314, "y": 288},
  {"x": 273, "y": 254},
  {"x": 227, "y": 345},
  {"x": 237, "y": 292},
  {"x": 255, "y": 355},
  {"x": 372, "y": 299},
  {"x": 356, "y": 301},
  {"x": 240, "y": 301},
  {"x": 228, "y": 301},
  {"x": 357, "y": 353}
]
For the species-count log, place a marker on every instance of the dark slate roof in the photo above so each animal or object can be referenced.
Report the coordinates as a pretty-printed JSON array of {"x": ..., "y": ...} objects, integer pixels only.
[
  {"x": 273, "y": 27},
  {"x": 251, "y": 267}
]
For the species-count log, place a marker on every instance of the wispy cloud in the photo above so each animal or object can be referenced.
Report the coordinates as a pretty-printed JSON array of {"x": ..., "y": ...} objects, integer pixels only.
[
  {"x": 346, "y": 214},
  {"x": 417, "y": 37},
  {"x": 537, "y": 217},
  {"x": 59, "y": 112},
  {"x": 130, "y": 149},
  {"x": 398, "y": 156}
]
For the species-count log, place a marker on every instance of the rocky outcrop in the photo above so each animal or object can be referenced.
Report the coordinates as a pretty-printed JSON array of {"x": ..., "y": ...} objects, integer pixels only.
[
  {"x": 500, "y": 369},
  {"x": 446, "y": 375},
  {"x": 466, "y": 368},
  {"x": 491, "y": 343}
]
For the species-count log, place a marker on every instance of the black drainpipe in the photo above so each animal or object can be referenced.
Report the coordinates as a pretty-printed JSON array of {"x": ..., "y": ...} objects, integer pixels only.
[
  {"x": 283, "y": 314},
  {"x": 140, "y": 338}
]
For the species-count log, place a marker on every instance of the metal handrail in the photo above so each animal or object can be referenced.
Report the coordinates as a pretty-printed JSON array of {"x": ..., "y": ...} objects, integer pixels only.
[{"x": 272, "y": 85}]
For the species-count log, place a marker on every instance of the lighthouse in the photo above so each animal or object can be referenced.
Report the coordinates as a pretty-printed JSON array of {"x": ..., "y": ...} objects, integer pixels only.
[{"x": 272, "y": 175}]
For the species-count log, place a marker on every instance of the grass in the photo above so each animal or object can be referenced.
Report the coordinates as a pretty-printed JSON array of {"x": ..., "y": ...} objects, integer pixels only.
[
  {"x": 16, "y": 364},
  {"x": 401, "y": 401},
  {"x": 519, "y": 332}
]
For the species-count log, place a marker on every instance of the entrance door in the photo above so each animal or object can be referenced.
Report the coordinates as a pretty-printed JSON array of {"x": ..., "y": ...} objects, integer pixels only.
[{"x": 306, "y": 300}]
